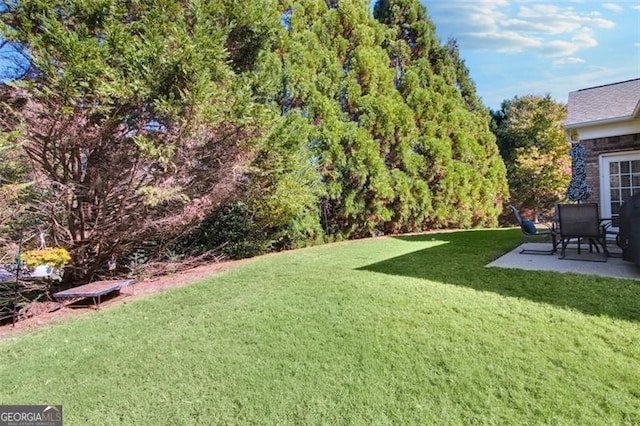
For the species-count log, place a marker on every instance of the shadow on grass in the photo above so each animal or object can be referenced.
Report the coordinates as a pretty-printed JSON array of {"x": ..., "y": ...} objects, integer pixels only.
[{"x": 461, "y": 261}]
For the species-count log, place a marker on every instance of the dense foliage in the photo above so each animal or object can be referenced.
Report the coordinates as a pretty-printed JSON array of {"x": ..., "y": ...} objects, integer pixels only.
[
  {"x": 530, "y": 134},
  {"x": 132, "y": 118},
  {"x": 17, "y": 189},
  {"x": 303, "y": 120}
]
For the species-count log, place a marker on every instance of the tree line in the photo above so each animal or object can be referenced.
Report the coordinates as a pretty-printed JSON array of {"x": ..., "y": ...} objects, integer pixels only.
[{"x": 156, "y": 127}]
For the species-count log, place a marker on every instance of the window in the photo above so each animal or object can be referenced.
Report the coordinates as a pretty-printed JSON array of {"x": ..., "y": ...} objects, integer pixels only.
[{"x": 620, "y": 179}]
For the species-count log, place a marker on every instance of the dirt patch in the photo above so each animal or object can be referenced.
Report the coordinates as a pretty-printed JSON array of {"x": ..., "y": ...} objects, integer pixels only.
[{"x": 44, "y": 313}]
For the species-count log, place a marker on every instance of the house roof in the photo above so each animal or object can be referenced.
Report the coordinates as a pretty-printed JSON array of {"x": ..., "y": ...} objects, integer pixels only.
[{"x": 608, "y": 103}]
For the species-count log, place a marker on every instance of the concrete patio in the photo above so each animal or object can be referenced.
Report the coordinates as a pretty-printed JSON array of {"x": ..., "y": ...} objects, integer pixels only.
[{"x": 583, "y": 263}]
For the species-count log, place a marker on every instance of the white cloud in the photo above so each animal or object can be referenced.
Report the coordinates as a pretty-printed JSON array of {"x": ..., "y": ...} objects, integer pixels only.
[
  {"x": 538, "y": 10},
  {"x": 503, "y": 42},
  {"x": 571, "y": 60},
  {"x": 479, "y": 15},
  {"x": 520, "y": 47},
  {"x": 585, "y": 38},
  {"x": 613, "y": 7},
  {"x": 540, "y": 26},
  {"x": 502, "y": 26},
  {"x": 598, "y": 22},
  {"x": 555, "y": 48}
]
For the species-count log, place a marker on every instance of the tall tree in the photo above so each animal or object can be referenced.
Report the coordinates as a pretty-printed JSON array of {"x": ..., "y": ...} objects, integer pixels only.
[
  {"x": 465, "y": 175},
  {"x": 142, "y": 117},
  {"x": 135, "y": 119},
  {"x": 333, "y": 61},
  {"x": 530, "y": 133},
  {"x": 17, "y": 189},
  {"x": 465, "y": 84}
]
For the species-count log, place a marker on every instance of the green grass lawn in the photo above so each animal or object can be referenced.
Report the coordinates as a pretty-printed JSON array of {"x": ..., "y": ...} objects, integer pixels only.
[{"x": 407, "y": 330}]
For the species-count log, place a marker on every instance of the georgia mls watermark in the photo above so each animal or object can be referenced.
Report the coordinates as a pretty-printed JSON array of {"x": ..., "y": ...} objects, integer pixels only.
[{"x": 30, "y": 415}]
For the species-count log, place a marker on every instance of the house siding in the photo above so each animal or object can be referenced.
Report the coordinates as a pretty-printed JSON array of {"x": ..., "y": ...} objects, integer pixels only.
[{"x": 596, "y": 147}]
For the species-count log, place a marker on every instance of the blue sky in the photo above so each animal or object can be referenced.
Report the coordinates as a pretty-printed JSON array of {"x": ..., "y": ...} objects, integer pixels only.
[{"x": 522, "y": 47}]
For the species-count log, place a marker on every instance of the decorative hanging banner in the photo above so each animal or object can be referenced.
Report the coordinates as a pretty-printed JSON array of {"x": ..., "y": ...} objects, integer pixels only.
[{"x": 578, "y": 189}]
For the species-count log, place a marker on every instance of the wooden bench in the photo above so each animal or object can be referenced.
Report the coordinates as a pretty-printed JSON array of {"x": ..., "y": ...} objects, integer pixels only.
[{"x": 94, "y": 290}]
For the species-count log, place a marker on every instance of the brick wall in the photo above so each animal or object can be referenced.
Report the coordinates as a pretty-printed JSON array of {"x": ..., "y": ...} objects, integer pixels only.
[{"x": 595, "y": 147}]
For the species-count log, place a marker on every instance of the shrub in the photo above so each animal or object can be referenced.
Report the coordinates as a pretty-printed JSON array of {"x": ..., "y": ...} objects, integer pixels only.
[{"x": 230, "y": 230}]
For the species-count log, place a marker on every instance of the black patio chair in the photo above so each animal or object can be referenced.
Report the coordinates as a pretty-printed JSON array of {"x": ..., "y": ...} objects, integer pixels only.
[
  {"x": 610, "y": 235},
  {"x": 581, "y": 222},
  {"x": 530, "y": 232}
]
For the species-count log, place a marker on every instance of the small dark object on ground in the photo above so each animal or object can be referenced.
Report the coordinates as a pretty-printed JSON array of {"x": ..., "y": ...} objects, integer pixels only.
[{"x": 94, "y": 290}]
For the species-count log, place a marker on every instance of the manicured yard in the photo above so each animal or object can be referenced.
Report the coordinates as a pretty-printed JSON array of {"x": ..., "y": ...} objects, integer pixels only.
[{"x": 407, "y": 330}]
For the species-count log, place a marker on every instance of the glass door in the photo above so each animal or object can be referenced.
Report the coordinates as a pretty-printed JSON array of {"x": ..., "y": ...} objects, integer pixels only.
[{"x": 620, "y": 179}]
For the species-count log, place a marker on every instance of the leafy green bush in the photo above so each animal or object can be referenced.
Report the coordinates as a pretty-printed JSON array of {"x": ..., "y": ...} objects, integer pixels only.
[{"x": 231, "y": 230}]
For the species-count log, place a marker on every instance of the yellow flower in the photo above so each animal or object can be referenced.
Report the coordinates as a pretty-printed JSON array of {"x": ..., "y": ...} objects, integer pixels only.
[{"x": 56, "y": 257}]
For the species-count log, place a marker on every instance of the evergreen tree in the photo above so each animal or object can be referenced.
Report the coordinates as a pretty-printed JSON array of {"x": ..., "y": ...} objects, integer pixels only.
[
  {"x": 401, "y": 140},
  {"x": 333, "y": 62},
  {"x": 317, "y": 116},
  {"x": 137, "y": 116},
  {"x": 465, "y": 84},
  {"x": 284, "y": 186},
  {"x": 465, "y": 175},
  {"x": 17, "y": 188}
]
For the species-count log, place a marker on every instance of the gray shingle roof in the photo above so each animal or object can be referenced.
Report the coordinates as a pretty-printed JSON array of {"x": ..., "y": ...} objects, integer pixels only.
[{"x": 617, "y": 101}]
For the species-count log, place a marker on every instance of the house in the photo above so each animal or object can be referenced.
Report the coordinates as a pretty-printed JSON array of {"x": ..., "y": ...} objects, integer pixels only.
[{"x": 606, "y": 121}]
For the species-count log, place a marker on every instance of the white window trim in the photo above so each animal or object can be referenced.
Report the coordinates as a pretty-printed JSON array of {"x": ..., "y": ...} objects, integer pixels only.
[{"x": 605, "y": 195}]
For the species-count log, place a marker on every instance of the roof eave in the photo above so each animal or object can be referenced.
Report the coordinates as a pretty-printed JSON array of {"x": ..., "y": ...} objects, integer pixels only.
[
  {"x": 604, "y": 121},
  {"x": 636, "y": 111}
]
